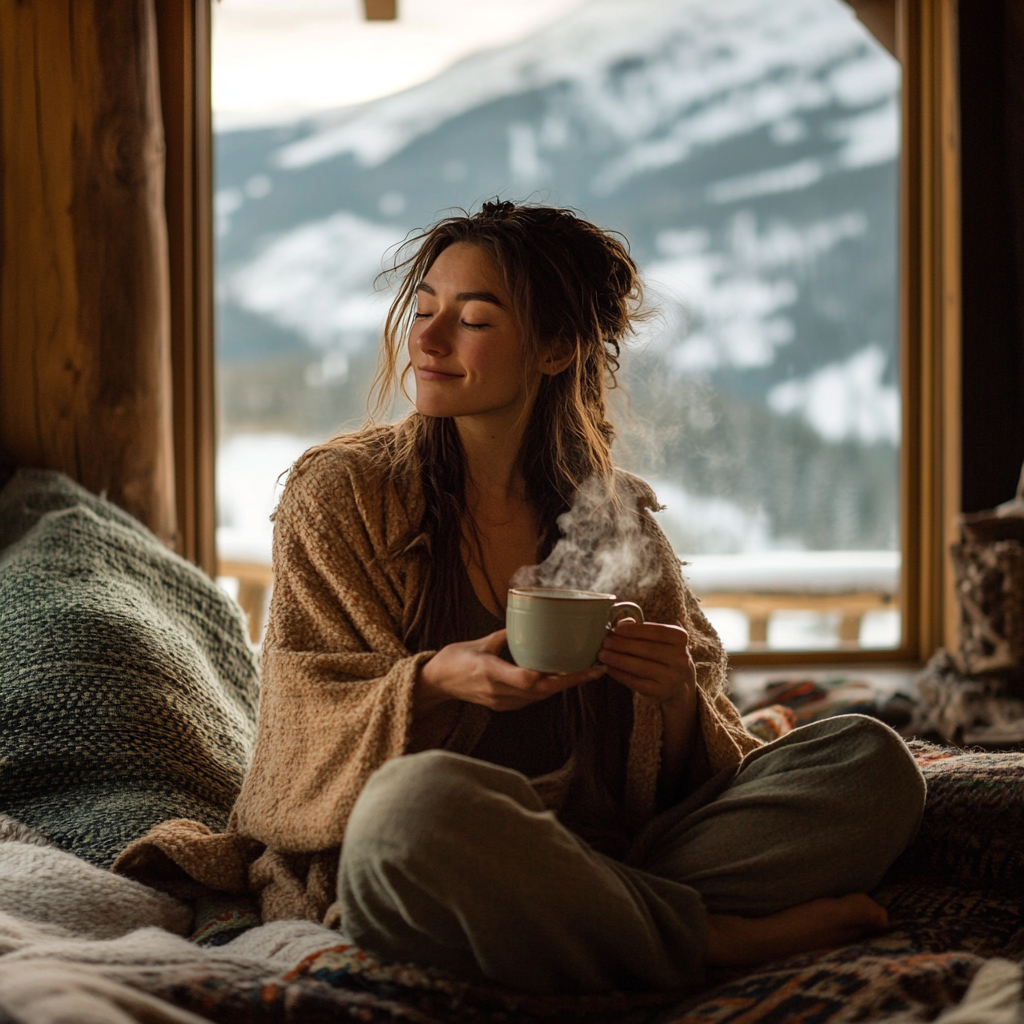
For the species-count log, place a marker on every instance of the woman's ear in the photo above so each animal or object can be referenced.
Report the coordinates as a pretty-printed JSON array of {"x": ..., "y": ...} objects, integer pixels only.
[{"x": 557, "y": 356}]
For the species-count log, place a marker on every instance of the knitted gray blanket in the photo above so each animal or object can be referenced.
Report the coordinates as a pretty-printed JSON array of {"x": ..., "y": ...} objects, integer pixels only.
[{"x": 128, "y": 688}]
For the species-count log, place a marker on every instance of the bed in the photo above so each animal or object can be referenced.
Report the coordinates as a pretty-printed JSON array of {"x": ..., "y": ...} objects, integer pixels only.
[{"x": 128, "y": 691}]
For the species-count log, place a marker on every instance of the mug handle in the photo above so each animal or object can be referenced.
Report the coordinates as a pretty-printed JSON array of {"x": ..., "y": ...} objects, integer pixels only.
[{"x": 628, "y": 607}]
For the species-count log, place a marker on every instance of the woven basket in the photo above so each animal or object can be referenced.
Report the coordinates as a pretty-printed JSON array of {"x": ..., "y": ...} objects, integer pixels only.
[{"x": 989, "y": 566}]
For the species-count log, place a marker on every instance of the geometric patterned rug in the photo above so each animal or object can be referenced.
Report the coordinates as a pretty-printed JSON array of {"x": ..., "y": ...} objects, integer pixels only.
[{"x": 939, "y": 939}]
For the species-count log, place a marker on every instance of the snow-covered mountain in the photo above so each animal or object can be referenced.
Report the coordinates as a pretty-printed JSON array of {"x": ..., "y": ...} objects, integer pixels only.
[{"x": 748, "y": 151}]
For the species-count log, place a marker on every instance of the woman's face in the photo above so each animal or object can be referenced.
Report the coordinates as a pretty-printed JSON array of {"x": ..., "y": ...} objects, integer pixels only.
[{"x": 467, "y": 351}]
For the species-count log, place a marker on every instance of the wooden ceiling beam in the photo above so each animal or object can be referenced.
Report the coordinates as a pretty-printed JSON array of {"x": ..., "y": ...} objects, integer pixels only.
[
  {"x": 380, "y": 10},
  {"x": 879, "y": 18}
]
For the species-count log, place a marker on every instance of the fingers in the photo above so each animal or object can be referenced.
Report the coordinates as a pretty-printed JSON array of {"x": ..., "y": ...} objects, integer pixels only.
[
  {"x": 477, "y": 674},
  {"x": 652, "y": 658},
  {"x": 567, "y": 680},
  {"x": 652, "y": 632},
  {"x": 493, "y": 642},
  {"x": 645, "y": 659},
  {"x": 636, "y": 664},
  {"x": 642, "y": 684},
  {"x": 648, "y": 641},
  {"x": 509, "y": 687},
  {"x": 527, "y": 680}
]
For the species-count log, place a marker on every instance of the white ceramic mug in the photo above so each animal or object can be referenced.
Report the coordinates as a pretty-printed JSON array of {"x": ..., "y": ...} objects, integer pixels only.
[{"x": 556, "y": 630}]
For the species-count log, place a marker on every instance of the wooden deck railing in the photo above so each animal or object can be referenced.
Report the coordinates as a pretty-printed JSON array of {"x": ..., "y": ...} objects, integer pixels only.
[
  {"x": 254, "y": 583},
  {"x": 759, "y": 606},
  {"x": 256, "y": 579}
]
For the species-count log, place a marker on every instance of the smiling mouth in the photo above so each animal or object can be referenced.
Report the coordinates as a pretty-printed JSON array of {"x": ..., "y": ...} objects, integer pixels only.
[{"x": 426, "y": 373}]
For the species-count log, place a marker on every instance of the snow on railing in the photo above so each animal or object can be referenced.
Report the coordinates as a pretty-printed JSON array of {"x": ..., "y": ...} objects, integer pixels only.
[{"x": 800, "y": 572}]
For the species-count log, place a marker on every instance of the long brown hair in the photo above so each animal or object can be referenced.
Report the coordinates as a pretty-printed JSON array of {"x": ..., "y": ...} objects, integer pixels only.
[{"x": 567, "y": 281}]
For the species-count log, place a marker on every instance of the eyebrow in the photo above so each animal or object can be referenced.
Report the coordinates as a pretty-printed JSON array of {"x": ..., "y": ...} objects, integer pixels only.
[{"x": 465, "y": 296}]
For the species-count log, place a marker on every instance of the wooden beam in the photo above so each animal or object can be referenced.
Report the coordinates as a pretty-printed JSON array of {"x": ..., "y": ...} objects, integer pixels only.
[
  {"x": 879, "y": 18},
  {"x": 380, "y": 10},
  {"x": 930, "y": 319},
  {"x": 85, "y": 383},
  {"x": 183, "y": 33}
]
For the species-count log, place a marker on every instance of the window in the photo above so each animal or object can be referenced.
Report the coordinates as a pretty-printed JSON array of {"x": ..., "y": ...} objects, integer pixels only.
[{"x": 528, "y": 140}]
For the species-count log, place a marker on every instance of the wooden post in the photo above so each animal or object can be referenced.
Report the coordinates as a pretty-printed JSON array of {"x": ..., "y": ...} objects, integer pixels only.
[
  {"x": 930, "y": 321},
  {"x": 85, "y": 382},
  {"x": 183, "y": 35}
]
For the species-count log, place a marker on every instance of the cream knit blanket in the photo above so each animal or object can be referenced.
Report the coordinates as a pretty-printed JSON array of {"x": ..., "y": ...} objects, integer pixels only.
[{"x": 81, "y": 944}]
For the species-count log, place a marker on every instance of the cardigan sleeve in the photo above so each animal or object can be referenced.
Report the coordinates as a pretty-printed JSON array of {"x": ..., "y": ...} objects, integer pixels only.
[
  {"x": 722, "y": 740},
  {"x": 726, "y": 741},
  {"x": 336, "y": 699},
  {"x": 338, "y": 681}
]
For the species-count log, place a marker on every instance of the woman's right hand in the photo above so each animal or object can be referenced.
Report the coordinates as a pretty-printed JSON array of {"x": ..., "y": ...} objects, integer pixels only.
[{"x": 473, "y": 672}]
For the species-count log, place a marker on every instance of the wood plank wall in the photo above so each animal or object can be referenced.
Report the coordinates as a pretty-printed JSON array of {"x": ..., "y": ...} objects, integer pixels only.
[{"x": 85, "y": 365}]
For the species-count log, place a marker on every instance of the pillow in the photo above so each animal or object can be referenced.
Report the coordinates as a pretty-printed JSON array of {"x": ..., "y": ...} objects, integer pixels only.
[
  {"x": 128, "y": 687},
  {"x": 973, "y": 826}
]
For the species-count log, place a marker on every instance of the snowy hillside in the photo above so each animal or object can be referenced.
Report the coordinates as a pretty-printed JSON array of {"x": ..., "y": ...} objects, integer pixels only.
[{"x": 747, "y": 151}]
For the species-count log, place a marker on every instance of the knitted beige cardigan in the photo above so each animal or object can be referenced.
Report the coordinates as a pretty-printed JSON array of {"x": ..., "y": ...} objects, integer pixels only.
[{"x": 338, "y": 683}]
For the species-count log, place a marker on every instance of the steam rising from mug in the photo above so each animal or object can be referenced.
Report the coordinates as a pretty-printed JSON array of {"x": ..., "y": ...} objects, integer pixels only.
[{"x": 603, "y": 545}]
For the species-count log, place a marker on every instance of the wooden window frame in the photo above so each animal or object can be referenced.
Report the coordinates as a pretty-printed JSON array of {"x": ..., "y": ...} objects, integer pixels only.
[
  {"x": 183, "y": 34},
  {"x": 929, "y": 313}
]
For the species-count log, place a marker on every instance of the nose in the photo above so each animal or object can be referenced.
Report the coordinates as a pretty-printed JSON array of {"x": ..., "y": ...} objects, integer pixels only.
[{"x": 434, "y": 336}]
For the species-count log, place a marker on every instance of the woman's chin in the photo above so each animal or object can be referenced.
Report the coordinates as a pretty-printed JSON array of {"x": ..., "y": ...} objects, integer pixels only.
[
  {"x": 442, "y": 406},
  {"x": 435, "y": 410}
]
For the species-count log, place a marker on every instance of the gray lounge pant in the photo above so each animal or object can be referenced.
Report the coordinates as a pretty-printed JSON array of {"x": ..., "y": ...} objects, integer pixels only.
[{"x": 454, "y": 862}]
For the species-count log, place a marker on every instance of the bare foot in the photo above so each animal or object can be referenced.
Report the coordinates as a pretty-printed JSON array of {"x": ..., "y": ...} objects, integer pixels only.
[{"x": 746, "y": 941}]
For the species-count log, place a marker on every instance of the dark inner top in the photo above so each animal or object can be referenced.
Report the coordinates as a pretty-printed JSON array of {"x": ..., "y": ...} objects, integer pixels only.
[{"x": 534, "y": 739}]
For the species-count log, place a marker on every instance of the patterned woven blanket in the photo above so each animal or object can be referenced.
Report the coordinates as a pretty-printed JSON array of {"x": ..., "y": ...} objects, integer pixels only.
[{"x": 128, "y": 688}]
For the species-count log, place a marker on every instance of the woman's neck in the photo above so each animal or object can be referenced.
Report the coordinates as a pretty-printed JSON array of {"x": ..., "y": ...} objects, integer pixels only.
[{"x": 493, "y": 472}]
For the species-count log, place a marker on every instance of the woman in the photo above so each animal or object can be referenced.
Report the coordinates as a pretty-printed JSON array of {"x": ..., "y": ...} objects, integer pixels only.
[{"x": 612, "y": 828}]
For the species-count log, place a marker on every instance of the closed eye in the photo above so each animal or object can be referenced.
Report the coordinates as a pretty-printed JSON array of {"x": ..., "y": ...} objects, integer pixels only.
[
  {"x": 466, "y": 323},
  {"x": 419, "y": 316}
]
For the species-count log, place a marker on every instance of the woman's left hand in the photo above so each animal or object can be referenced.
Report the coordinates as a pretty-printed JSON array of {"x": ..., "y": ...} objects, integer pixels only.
[
  {"x": 654, "y": 659},
  {"x": 651, "y": 658}
]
